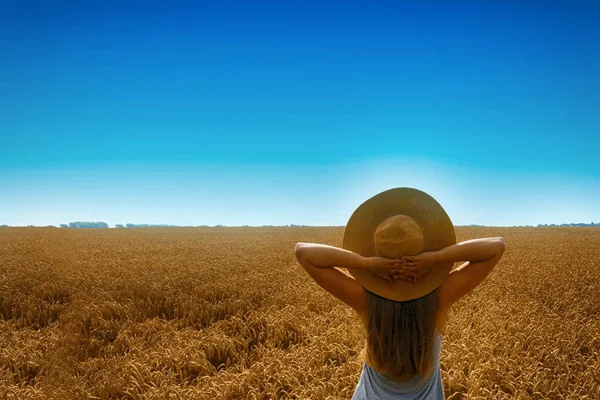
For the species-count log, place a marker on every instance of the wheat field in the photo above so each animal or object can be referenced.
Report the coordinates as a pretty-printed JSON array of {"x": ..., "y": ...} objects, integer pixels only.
[{"x": 228, "y": 313}]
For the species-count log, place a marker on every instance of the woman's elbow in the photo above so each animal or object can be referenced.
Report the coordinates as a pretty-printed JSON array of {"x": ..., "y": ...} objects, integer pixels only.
[
  {"x": 500, "y": 245},
  {"x": 299, "y": 250}
]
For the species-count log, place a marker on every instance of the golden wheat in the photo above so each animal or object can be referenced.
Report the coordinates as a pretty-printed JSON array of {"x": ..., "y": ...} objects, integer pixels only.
[{"x": 227, "y": 313}]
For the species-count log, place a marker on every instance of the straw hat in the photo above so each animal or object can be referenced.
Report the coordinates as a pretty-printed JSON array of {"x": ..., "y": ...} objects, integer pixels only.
[{"x": 395, "y": 223}]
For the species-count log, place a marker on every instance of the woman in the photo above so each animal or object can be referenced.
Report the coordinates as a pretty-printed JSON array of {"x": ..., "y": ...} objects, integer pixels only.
[{"x": 399, "y": 248}]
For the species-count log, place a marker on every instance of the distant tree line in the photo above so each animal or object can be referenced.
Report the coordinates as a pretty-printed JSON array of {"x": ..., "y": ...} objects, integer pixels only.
[
  {"x": 146, "y": 226},
  {"x": 573, "y": 224},
  {"x": 85, "y": 224}
]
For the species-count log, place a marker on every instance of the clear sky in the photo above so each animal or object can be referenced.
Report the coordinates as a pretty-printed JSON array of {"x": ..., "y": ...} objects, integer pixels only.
[{"x": 295, "y": 112}]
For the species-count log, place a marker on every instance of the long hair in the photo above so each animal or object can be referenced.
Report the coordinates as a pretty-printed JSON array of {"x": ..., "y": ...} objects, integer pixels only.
[{"x": 400, "y": 335}]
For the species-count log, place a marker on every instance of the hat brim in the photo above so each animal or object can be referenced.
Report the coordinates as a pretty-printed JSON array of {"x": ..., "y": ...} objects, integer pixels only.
[{"x": 436, "y": 226}]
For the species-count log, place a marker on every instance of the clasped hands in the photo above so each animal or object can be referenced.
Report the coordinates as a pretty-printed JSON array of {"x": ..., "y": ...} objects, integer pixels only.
[{"x": 408, "y": 268}]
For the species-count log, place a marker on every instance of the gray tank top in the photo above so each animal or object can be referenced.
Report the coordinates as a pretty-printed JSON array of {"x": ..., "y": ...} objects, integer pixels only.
[{"x": 373, "y": 385}]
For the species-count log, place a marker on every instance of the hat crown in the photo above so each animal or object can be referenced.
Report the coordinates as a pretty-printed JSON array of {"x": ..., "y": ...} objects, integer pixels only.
[{"x": 398, "y": 236}]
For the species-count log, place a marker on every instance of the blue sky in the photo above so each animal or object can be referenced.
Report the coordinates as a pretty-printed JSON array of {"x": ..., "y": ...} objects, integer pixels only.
[{"x": 295, "y": 112}]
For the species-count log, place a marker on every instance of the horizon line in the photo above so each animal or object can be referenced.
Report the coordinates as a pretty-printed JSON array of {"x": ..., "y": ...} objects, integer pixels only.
[{"x": 167, "y": 226}]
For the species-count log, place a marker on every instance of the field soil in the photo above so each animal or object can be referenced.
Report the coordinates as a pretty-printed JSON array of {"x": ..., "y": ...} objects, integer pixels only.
[{"x": 228, "y": 313}]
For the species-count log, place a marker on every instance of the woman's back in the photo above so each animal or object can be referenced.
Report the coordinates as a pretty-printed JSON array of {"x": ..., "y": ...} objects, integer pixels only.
[{"x": 373, "y": 385}]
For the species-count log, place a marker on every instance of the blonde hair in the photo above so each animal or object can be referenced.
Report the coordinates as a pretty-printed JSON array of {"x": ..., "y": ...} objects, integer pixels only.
[{"x": 400, "y": 335}]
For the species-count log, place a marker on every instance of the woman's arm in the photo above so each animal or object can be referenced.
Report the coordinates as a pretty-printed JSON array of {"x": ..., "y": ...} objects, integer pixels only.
[
  {"x": 471, "y": 250},
  {"x": 320, "y": 261},
  {"x": 474, "y": 250},
  {"x": 323, "y": 256},
  {"x": 481, "y": 255}
]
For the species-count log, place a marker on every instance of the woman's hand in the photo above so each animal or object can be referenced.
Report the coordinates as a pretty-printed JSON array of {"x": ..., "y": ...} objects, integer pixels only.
[
  {"x": 415, "y": 266},
  {"x": 384, "y": 267}
]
